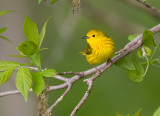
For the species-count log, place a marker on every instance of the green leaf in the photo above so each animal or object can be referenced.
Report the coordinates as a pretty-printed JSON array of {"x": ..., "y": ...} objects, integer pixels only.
[
  {"x": 39, "y": 1},
  {"x": 135, "y": 76},
  {"x": 132, "y": 37},
  {"x": 6, "y": 65},
  {"x": 38, "y": 83},
  {"x": 36, "y": 59},
  {"x": 4, "y": 12},
  {"x": 43, "y": 49},
  {"x": 26, "y": 64},
  {"x": 139, "y": 53},
  {"x": 157, "y": 112},
  {"x": 4, "y": 76},
  {"x": 147, "y": 38},
  {"x": 53, "y": 1},
  {"x": 31, "y": 30},
  {"x": 42, "y": 34},
  {"x": 125, "y": 63},
  {"x": 118, "y": 114},
  {"x": 155, "y": 62},
  {"x": 137, "y": 65},
  {"x": 27, "y": 48},
  {"x": 49, "y": 73},
  {"x": 23, "y": 81},
  {"x": 138, "y": 112},
  {"x": 148, "y": 50},
  {"x": 21, "y": 56},
  {"x": 3, "y": 29},
  {"x": 2, "y": 37}
]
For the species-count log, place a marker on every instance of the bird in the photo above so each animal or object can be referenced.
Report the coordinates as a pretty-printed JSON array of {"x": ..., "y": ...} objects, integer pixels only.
[{"x": 100, "y": 47}]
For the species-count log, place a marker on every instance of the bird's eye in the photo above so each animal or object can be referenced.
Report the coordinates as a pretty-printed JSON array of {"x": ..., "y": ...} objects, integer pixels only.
[{"x": 93, "y": 35}]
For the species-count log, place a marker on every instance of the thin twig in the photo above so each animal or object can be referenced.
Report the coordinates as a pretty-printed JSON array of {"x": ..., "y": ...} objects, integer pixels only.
[
  {"x": 90, "y": 85},
  {"x": 60, "y": 78},
  {"x": 51, "y": 88},
  {"x": 70, "y": 72},
  {"x": 57, "y": 101},
  {"x": 149, "y": 6}
]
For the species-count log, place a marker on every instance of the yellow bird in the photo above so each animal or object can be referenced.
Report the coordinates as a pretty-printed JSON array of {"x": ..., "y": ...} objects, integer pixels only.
[{"x": 100, "y": 47}]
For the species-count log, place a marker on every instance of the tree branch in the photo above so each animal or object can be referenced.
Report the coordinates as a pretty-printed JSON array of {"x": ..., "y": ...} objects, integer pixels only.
[
  {"x": 48, "y": 113},
  {"x": 90, "y": 85},
  {"x": 149, "y": 6},
  {"x": 68, "y": 82},
  {"x": 51, "y": 88}
]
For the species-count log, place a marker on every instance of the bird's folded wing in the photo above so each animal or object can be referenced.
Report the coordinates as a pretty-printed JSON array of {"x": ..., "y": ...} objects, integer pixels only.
[{"x": 87, "y": 51}]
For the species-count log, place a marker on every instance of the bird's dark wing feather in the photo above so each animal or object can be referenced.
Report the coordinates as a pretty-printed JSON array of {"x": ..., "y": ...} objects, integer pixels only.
[{"x": 87, "y": 51}]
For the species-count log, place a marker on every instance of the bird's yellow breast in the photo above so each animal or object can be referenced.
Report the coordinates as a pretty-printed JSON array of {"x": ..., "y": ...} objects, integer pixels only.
[
  {"x": 102, "y": 50},
  {"x": 100, "y": 47}
]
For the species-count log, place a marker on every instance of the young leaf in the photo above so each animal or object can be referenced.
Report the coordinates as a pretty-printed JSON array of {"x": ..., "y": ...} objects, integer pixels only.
[
  {"x": 132, "y": 37},
  {"x": 27, "y": 48},
  {"x": 6, "y": 65},
  {"x": 138, "y": 112},
  {"x": 31, "y": 30},
  {"x": 4, "y": 12},
  {"x": 157, "y": 112},
  {"x": 139, "y": 53},
  {"x": 135, "y": 76},
  {"x": 3, "y": 29},
  {"x": 26, "y": 64},
  {"x": 148, "y": 50},
  {"x": 36, "y": 59},
  {"x": 53, "y": 1},
  {"x": 2, "y": 37},
  {"x": 137, "y": 65},
  {"x": 125, "y": 63},
  {"x": 4, "y": 76},
  {"x": 38, "y": 83},
  {"x": 23, "y": 81},
  {"x": 43, "y": 49},
  {"x": 21, "y": 56},
  {"x": 49, "y": 73},
  {"x": 42, "y": 34},
  {"x": 39, "y": 1},
  {"x": 118, "y": 114},
  {"x": 147, "y": 38}
]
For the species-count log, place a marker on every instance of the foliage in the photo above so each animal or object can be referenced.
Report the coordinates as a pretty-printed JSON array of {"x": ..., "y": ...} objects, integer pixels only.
[
  {"x": 3, "y": 29},
  {"x": 27, "y": 77},
  {"x": 30, "y": 49},
  {"x": 133, "y": 65},
  {"x": 52, "y": 1},
  {"x": 136, "y": 114}
]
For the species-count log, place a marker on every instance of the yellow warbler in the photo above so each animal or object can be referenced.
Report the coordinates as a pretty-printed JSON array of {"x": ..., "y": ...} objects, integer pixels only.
[{"x": 100, "y": 47}]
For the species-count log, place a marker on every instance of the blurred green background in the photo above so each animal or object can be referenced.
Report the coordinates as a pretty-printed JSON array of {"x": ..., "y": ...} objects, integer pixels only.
[{"x": 113, "y": 91}]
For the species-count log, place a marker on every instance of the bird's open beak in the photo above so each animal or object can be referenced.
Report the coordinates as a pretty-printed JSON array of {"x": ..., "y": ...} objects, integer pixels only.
[{"x": 86, "y": 37}]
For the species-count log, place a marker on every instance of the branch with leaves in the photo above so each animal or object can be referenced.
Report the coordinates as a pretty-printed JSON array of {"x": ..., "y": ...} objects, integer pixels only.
[
  {"x": 31, "y": 77},
  {"x": 30, "y": 48}
]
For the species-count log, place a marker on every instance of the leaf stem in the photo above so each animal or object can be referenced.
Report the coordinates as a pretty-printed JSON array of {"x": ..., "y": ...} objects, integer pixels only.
[
  {"x": 147, "y": 66},
  {"x": 153, "y": 53}
]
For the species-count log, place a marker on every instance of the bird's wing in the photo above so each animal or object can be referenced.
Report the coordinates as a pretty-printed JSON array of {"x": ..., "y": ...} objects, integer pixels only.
[{"x": 87, "y": 51}]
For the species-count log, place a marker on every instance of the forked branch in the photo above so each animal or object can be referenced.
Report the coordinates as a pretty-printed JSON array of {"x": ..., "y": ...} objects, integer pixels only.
[{"x": 68, "y": 82}]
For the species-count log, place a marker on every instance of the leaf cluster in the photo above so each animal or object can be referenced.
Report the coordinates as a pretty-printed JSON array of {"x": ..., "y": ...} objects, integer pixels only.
[
  {"x": 25, "y": 78},
  {"x": 137, "y": 66}
]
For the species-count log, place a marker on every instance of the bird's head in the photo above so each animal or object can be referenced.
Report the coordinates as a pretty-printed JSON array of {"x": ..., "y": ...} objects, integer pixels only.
[{"x": 94, "y": 35}]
